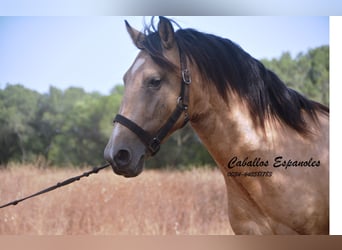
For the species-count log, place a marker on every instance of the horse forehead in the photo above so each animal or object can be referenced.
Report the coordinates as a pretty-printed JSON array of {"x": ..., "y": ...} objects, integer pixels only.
[
  {"x": 137, "y": 64},
  {"x": 141, "y": 62}
]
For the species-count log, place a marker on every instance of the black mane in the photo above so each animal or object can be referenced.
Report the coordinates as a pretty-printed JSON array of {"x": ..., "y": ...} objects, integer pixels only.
[{"x": 230, "y": 68}]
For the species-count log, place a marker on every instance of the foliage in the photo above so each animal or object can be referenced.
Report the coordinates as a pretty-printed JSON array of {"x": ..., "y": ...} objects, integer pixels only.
[
  {"x": 67, "y": 127},
  {"x": 306, "y": 73},
  {"x": 72, "y": 127}
]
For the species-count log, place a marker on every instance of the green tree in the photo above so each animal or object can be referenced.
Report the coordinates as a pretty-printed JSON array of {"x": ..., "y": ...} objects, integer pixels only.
[
  {"x": 317, "y": 85},
  {"x": 307, "y": 73},
  {"x": 72, "y": 127},
  {"x": 17, "y": 110}
]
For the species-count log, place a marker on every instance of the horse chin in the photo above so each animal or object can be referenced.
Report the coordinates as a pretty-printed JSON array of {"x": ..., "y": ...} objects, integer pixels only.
[{"x": 131, "y": 171}]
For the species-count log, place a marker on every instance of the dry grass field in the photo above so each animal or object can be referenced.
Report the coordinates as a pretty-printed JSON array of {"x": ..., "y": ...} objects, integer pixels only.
[{"x": 154, "y": 203}]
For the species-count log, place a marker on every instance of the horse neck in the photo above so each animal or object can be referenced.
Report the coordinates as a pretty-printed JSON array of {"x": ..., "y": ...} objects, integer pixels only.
[{"x": 225, "y": 129}]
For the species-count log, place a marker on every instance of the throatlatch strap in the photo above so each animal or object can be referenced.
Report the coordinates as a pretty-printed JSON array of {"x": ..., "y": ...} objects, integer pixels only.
[{"x": 163, "y": 131}]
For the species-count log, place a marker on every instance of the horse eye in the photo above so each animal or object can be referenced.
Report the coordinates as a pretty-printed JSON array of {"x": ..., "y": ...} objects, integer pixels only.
[{"x": 154, "y": 83}]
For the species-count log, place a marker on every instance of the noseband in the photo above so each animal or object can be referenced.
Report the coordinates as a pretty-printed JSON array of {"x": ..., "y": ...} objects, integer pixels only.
[{"x": 152, "y": 142}]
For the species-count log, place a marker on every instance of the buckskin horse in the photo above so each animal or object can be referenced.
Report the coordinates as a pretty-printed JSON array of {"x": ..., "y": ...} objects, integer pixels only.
[{"x": 269, "y": 141}]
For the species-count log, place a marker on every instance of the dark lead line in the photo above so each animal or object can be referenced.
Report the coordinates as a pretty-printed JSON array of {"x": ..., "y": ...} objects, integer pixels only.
[{"x": 95, "y": 170}]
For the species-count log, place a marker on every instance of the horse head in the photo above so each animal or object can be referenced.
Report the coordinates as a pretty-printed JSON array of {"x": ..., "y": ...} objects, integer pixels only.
[{"x": 152, "y": 105}]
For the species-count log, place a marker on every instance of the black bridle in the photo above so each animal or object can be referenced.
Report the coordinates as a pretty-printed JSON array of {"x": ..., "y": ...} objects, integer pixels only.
[{"x": 152, "y": 142}]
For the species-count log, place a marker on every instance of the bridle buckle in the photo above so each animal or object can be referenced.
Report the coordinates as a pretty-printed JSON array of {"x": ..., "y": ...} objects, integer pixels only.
[
  {"x": 186, "y": 76},
  {"x": 154, "y": 145}
]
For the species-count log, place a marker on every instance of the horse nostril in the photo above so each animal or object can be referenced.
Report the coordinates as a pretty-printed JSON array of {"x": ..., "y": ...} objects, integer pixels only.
[{"x": 122, "y": 158}]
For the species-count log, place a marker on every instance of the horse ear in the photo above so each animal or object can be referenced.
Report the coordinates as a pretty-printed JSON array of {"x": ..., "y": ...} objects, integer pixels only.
[
  {"x": 166, "y": 32},
  {"x": 137, "y": 36}
]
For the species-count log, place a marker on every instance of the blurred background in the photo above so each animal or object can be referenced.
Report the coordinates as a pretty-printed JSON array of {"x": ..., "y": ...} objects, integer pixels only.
[{"x": 61, "y": 80}]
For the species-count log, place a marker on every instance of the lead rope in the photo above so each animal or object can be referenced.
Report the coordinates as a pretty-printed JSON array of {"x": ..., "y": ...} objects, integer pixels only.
[{"x": 95, "y": 170}]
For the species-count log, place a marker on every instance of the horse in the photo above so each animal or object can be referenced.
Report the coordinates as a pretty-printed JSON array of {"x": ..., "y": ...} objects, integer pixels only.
[{"x": 269, "y": 141}]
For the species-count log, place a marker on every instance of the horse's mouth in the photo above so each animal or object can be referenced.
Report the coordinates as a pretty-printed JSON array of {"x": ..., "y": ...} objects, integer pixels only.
[{"x": 131, "y": 171}]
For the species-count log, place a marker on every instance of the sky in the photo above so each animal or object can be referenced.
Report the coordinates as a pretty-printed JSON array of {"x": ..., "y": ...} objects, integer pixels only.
[
  {"x": 95, "y": 52},
  {"x": 181, "y": 7}
]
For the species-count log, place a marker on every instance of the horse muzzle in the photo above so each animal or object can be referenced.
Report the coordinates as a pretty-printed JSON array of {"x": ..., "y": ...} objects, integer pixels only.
[{"x": 124, "y": 161}]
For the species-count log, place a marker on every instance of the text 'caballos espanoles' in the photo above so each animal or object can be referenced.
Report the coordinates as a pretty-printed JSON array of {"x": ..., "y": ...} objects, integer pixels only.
[{"x": 276, "y": 162}]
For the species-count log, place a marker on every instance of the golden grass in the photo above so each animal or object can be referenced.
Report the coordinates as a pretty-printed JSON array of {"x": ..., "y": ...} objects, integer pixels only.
[{"x": 154, "y": 203}]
